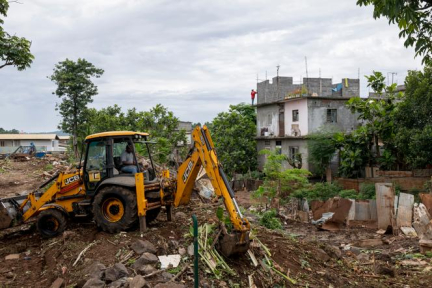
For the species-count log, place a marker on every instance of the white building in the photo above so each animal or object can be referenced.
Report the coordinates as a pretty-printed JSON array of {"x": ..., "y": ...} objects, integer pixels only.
[{"x": 43, "y": 142}]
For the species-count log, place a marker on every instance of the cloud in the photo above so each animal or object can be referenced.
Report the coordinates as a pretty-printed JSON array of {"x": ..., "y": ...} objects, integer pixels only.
[{"x": 195, "y": 57}]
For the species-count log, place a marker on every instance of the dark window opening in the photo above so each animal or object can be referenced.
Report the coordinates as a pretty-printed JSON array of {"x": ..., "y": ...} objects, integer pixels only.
[
  {"x": 332, "y": 115},
  {"x": 295, "y": 115}
]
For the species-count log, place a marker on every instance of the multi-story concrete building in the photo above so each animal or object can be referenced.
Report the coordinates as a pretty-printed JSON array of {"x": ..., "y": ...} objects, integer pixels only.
[{"x": 287, "y": 113}]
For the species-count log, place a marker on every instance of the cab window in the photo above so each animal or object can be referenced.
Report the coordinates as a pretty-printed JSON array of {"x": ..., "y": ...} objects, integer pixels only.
[{"x": 96, "y": 163}]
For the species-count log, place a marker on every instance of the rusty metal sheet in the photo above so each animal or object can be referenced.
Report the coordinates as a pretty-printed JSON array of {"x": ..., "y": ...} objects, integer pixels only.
[
  {"x": 426, "y": 199},
  {"x": 340, "y": 207},
  {"x": 362, "y": 211},
  {"x": 373, "y": 210},
  {"x": 385, "y": 204}
]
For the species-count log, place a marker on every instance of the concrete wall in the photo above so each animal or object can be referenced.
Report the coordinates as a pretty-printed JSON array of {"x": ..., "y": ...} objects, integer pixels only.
[
  {"x": 51, "y": 145},
  {"x": 317, "y": 118},
  {"x": 318, "y": 86},
  {"x": 283, "y": 87},
  {"x": 301, "y": 105},
  {"x": 268, "y": 117},
  {"x": 352, "y": 89}
]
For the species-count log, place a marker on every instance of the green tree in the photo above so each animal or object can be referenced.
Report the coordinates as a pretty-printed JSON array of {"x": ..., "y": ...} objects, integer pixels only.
[
  {"x": 13, "y": 131},
  {"x": 413, "y": 120},
  {"x": 159, "y": 122},
  {"x": 280, "y": 182},
  {"x": 233, "y": 133},
  {"x": 322, "y": 148},
  {"x": 14, "y": 50},
  {"x": 413, "y": 19},
  {"x": 76, "y": 89}
]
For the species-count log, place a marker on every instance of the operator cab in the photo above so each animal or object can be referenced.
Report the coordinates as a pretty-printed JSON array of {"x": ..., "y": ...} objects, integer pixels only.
[{"x": 116, "y": 154}]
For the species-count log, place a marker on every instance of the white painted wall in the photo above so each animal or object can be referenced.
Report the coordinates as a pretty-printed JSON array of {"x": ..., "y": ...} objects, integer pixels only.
[
  {"x": 300, "y": 105},
  {"x": 268, "y": 117},
  {"x": 51, "y": 145}
]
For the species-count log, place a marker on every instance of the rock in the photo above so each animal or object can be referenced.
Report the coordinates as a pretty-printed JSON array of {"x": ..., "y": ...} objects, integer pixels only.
[
  {"x": 333, "y": 251},
  {"x": 321, "y": 255},
  {"x": 363, "y": 257},
  {"x": 146, "y": 269},
  {"x": 10, "y": 275},
  {"x": 146, "y": 258},
  {"x": 96, "y": 270},
  {"x": 169, "y": 285},
  {"x": 182, "y": 251},
  {"x": 142, "y": 246},
  {"x": 383, "y": 257},
  {"x": 12, "y": 257},
  {"x": 190, "y": 250},
  {"x": 166, "y": 276},
  {"x": 122, "y": 282},
  {"x": 57, "y": 283},
  {"x": 355, "y": 250},
  {"x": 384, "y": 270},
  {"x": 94, "y": 283},
  {"x": 169, "y": 260},
  {"x": 180, "y": 215},
  {"x": 116, "y": 272},
  {"x": 137, "y": 282}
]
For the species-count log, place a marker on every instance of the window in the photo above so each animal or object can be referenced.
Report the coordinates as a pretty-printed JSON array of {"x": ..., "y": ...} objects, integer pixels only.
[
  {"x": 52, "y": 143},
  {"x": 332, "y": 115},
  {"x": 267, "y": 142},
  {"x": 279, "y": 147},
  {"x": 2, "y": 144},
  {"x": 295, "y": 115},
  {"x": 293, "y": 150}
]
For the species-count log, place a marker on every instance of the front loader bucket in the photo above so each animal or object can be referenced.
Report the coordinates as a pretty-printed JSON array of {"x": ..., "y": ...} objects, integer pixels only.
[
  {"x": 5, "y": 219},
  {"x": 230, "y": 244}
]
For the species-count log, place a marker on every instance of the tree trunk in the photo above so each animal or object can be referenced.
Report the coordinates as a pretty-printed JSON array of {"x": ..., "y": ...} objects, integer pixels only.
[{"x": 377, "y": 146}]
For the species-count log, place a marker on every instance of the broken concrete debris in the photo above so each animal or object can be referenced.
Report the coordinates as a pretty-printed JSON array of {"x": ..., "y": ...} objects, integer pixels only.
[{"x": 169, "y": 261}]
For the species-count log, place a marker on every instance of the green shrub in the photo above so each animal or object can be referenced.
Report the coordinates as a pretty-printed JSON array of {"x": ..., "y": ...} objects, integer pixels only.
[
  {"x": 367, "y": 191},
  {"x": 319, "y": 191},
  {"x": 269, "y": 220},
  {"x": 49, "y": 167},
  {"x": 349, "y": 194}
]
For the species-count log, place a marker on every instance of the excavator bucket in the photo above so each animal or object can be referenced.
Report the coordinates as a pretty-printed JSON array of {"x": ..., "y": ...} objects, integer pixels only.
[
  {"x": 5, "y": 219},
  {"x": 231, "y": 244}
]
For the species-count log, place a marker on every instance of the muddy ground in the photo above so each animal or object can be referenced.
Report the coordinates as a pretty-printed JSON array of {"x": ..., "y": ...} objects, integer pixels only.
[{"x": 299, "y": 252}]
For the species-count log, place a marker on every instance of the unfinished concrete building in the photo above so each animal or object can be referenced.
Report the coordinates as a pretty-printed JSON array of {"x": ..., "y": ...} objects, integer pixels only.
[{"x": 287, "y": 113}]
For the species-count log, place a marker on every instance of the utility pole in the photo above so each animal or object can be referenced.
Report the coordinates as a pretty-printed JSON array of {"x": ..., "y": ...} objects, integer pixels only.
[
  {"x": 307, "y": 77},
  {"x": 393, "y": 73}
]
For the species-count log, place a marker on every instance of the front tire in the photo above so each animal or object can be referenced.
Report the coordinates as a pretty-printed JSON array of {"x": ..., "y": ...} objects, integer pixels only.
[
  {"x": 115, "y": 209},
  {"x": 51, "y": 222}
]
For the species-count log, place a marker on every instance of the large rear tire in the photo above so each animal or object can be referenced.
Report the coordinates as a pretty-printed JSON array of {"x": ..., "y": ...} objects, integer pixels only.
[
  {"x": 115, "y": 209},
  {"x": 51, "y": 222}
]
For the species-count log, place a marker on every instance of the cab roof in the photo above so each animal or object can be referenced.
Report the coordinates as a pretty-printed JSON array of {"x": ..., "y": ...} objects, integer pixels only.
[{"x": 114, "y": 134}]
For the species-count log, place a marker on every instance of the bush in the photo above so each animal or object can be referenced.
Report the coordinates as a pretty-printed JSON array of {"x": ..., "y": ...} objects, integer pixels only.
[
  {"x": 367, "y": 191},
  {"x": 349, "y": 194},
  {"x": 269, "y": 220},
  {"x": 319, "y": 191}
]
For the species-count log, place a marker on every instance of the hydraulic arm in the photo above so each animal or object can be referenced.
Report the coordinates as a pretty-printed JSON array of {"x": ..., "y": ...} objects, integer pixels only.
[{"x": 204, "y": 155}]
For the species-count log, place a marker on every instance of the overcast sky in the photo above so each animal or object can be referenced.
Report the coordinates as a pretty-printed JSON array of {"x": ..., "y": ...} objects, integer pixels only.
[{"x": 194, "y": 57}]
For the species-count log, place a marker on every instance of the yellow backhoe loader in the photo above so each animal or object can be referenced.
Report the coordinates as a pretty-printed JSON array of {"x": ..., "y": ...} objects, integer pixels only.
[{"x": 117, "y": 200}]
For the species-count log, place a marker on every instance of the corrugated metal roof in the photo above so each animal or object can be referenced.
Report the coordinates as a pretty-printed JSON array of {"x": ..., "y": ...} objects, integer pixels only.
[
  {"x": 29, "y": 137},
  {"x": 66, "y": 137}
]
